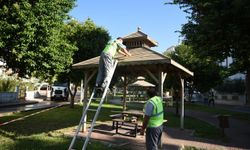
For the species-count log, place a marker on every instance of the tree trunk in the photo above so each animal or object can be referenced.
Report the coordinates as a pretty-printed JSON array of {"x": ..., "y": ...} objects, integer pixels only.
[
  {"x": 71, "y": 97},
  {"x": 72, "y": 94},
  {"x": 248, "y": 87}
]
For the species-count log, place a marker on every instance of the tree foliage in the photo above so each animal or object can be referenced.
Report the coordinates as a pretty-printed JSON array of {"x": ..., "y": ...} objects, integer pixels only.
[
  {"x": 207, "y": 73},
  {"x": 31, "y": 39},
  {"x": 219, "y": 29},
  {"x": 89, "y": 39}
]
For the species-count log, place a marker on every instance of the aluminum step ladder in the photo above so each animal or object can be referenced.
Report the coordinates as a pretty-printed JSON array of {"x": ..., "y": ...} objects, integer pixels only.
[{"x": 94, "y": 93}]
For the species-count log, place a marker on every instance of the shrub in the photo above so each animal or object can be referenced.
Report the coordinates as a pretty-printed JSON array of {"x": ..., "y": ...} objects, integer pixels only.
[{"x": 7, "y": 85}]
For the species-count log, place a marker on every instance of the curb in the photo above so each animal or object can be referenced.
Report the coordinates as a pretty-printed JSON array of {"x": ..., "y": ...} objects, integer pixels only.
[{"x": 18, "y": 104}]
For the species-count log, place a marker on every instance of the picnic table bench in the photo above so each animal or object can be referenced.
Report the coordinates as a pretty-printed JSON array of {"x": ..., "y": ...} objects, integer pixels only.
[
  {"x": 122, "y": 122},
  {"x": 128, "y": 119},
  {"x": 116, "y": 116}
]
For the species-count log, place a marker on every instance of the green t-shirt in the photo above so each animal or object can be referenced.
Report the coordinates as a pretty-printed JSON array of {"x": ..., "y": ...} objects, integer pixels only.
[{"x": 112, "y": 47}]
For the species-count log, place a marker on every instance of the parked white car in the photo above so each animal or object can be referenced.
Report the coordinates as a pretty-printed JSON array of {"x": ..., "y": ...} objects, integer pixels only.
[
  {"x": 59, "y": 93},
  {"x": 43, "y": 90}
]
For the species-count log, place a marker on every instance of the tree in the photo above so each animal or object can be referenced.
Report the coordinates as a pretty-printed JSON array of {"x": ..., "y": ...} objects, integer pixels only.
[
  {"x": 90, "y": 41},
  {"x": 219, "y": 29},
  {"x": 31, "y": 39},
  {"x": 207, "y": 73}
]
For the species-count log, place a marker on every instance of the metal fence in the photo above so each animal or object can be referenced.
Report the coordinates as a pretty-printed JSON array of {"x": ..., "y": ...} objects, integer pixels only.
[{"x": 8, "y": 97}]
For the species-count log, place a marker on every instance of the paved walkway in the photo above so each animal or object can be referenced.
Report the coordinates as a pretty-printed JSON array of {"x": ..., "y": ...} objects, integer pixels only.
[
  {"x": 6, "y": 109},
  {"x": 238, "y": 131},
  {"x": 173, "y": 139}
]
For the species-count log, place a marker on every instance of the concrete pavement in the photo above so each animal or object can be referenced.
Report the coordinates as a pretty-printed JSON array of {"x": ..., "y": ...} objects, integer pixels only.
[
  {"x": 6, "y": 109},
  {"x": 238, "y": 131}
]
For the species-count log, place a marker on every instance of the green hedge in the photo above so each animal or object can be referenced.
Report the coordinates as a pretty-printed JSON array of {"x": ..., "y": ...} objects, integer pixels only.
[{"x": 7, "y": 85}]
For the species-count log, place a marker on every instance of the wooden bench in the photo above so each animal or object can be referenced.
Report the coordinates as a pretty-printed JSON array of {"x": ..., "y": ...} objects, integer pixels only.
[
  {"x": 116, "y": 116},
  {"x": 126, "y": 123}
]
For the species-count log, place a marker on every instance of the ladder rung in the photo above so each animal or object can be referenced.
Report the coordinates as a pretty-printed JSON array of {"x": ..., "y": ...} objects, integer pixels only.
[
  {"x": 80, "y": 136},
  {"x": 83, "y": 122},
  {"x": 92, "y": 110}
]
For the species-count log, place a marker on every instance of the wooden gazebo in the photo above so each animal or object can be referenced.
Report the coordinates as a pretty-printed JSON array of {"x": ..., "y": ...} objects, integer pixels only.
[{"x": 144, "y": 61}]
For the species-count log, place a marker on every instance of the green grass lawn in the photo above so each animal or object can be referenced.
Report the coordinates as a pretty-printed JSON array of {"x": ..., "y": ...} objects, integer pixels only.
[
  {"x": 216, "y": 110},
  {"x": 201, "y": 129},
  {"x": 47, "y": 130}
]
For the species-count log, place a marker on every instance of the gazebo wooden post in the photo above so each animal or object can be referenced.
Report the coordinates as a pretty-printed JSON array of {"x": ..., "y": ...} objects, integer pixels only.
[
  {"x": 182, "y": 102},
  {"x": 124, "y": 92},
  {"x": 159, "y": 81},
  {"x": 162, "y": 77},
  {"x": 85, "y": 94},
  {"x": 87, "y": 78},
  {"x": 160, "y": 84},
  {"x": 81, "y": 94}
]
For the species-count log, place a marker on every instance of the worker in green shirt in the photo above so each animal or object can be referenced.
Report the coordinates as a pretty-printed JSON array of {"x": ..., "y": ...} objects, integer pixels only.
[
  {"x": 106, "y": 61},
  {"x": 153, "y": 120}
]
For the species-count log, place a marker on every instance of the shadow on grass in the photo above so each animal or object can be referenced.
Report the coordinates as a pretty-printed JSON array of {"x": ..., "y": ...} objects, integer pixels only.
[
  {"x": 54, "y": 119},
  {"x": 41, "y": 131},
  {"x": 170, "y": 146},
  {"x": 43, "y": 141}
]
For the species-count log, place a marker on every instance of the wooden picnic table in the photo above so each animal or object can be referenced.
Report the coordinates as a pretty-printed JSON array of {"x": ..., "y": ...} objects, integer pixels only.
[
  {"x": 136, "y": 113},
  {"x": 124, "y": 119}
]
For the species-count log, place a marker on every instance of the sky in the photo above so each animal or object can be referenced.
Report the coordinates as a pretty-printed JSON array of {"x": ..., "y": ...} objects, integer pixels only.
[{"x": 122, "y": 17}]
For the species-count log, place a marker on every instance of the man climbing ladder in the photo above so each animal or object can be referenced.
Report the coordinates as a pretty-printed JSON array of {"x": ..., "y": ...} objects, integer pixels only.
[
  {"x": 105, "y": 74},
  {"x": 86, "y": 109},
  {"x": 106, "y": 61}
]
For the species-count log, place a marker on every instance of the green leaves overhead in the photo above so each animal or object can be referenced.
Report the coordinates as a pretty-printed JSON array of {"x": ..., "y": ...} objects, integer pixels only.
[
  {"x": 219, "y": 29},
  {"x": 207, "y": 73},
  {"x": 89, "y": 39},
  {"x": 32, "y": 40}
]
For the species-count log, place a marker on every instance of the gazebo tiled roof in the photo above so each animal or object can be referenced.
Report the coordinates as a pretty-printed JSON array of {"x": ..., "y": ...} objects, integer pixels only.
[
  {"x": 143, "y": 57},
  {"x": 140, "y": 35},
  {"x": 140, "y": 57}
]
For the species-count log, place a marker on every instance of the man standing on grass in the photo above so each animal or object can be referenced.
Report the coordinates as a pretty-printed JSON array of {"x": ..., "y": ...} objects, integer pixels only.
[{"x": 153, "y": 120}]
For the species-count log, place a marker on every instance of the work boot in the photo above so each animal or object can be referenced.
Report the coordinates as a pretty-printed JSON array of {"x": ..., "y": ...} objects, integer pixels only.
[{"x": 100, "y": 89}]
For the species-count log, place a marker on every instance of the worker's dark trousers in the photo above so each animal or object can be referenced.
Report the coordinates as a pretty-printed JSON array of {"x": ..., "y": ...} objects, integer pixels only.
[
  {"x": 105, "y": 67},
  {"x": 153, "y": 137}
]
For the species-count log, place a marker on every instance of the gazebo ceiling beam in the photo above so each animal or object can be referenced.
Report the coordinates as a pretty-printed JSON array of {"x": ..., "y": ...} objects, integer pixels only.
[
  {"x": 91, "y": 75},
  {"x": 140, "y": 69},
  {"x": 161, "y": 81},
  {"x": 152, "y": 75}
]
